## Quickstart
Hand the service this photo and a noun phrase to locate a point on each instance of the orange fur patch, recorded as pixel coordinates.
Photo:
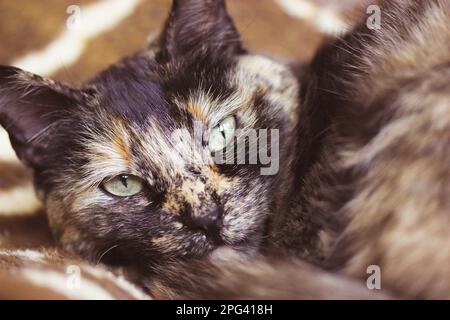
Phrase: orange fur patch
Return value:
(197, 111)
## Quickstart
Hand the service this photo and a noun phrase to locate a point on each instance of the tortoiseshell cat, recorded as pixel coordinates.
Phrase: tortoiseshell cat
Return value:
(364, 159)
(372, 171)
(119, 163)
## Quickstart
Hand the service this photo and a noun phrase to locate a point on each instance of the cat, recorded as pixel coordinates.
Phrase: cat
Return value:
(124, 165)
(372, 174)
(363, 160)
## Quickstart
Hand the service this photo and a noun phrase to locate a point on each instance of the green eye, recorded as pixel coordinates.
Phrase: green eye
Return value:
(222, 134)
(124, 185)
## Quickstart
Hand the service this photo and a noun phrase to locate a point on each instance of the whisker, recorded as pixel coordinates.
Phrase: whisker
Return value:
(105, 252)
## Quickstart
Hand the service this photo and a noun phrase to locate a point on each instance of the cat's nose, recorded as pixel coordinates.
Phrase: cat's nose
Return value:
(207, 221)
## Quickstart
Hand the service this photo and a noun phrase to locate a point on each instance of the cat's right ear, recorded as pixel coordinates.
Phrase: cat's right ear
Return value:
(31, 108)
(199, 27)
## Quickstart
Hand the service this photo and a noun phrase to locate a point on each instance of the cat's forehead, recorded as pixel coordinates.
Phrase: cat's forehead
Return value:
(138, 89)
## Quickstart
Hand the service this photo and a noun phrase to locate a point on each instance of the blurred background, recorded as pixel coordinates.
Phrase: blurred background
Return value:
(111, 29)
(72, 40)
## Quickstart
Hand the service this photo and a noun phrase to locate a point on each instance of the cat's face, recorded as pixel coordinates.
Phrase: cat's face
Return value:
(126, 165)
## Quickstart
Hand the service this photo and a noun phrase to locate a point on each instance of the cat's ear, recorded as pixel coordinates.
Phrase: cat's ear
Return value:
(199, 27)
(30, 109)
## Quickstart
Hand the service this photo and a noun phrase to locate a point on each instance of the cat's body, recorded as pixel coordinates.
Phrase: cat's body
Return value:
(373, 176)
(381, 182)
(371, 159)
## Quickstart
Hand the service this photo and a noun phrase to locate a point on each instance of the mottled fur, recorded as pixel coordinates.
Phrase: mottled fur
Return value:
(372, 175)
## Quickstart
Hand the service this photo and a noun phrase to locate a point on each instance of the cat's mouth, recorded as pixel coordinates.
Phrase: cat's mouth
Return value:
(244, 245)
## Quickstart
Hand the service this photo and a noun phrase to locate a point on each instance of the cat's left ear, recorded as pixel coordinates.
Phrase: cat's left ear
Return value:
(199, 27)
(31, 108)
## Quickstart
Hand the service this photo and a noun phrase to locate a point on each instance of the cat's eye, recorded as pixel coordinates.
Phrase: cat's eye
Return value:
(124, 185)
(222, 134)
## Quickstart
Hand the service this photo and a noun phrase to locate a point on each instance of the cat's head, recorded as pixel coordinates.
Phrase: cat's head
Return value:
(125, 164)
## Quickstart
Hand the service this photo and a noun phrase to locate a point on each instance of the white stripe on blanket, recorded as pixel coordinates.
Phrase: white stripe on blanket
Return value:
(96, 18)
(324, 19)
